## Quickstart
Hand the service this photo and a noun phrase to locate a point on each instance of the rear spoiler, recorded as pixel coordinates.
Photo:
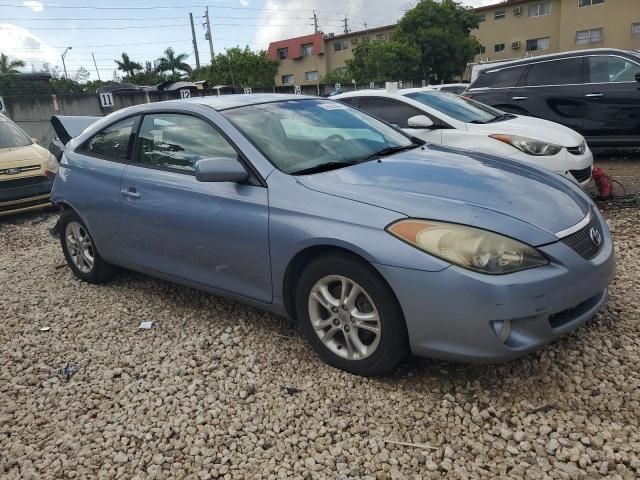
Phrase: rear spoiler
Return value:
(67, 127)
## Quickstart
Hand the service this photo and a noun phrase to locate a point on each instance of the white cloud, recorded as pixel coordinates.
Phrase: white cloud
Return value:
(244, 3)
(33, 5)
(19, 43)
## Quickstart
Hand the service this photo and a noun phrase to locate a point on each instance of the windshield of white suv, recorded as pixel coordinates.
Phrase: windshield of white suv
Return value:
(11, 136)
(309, 136)
(457, 107)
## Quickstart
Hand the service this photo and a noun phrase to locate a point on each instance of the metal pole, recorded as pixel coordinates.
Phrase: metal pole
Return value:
(64, 66)
(195, 43)
(209, 37)
(96, 65)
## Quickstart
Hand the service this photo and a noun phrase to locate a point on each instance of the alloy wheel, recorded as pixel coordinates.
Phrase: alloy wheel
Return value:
(80, 247)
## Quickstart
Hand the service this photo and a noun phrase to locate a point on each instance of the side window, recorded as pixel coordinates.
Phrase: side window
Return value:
(506, 77)
(175, 141)
(391, 111)
(113, 141)
(348, 101)
(604, 69)
(558, 72)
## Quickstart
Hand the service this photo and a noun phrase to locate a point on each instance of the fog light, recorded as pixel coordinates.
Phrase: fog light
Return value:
(502, 328)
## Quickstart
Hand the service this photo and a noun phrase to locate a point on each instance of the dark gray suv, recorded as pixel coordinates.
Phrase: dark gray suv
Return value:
(595, 92)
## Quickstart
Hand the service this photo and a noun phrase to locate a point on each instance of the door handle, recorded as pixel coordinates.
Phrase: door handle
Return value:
(130, 193)
(594, 95)
(517, 99)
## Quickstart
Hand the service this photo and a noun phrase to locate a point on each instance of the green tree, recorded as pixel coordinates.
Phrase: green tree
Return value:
(441, 32)
(380, 61)
(239, 67)
(9, 66)
(173, 63)
(127, 65)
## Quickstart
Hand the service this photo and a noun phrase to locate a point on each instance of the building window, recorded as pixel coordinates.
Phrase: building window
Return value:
(538, 44)
(381, 37)
(498, 47)
(481, 49)
(341, 45)
(635, 28)
(589, 36)
(283, 53)
(287, 79)
(499, 15)
(306, 50)
(481, 17)
(539, 9)
(586, 3)
(311, 76)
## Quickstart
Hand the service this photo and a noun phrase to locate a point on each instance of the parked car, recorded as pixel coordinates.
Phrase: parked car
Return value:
(595, 92)
(26, 171)
(451, 120)
(457, 88)
(376, 243)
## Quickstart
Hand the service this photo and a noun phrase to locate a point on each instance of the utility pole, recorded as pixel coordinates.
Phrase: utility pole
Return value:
(64, 66)
(208, 34)
(195, 43)
(95, 65)
(315, 22)
(346, 24)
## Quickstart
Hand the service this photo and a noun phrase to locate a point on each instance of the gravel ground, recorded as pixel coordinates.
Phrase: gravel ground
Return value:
(220, 390)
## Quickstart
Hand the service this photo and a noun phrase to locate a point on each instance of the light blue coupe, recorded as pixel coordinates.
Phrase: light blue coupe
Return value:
(379, 245)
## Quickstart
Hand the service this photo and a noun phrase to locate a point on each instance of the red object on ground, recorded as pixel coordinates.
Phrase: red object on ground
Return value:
(603, 182)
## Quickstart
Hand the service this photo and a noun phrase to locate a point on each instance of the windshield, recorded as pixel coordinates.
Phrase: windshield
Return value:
(11, 136)
(456, 107)
(299, 135)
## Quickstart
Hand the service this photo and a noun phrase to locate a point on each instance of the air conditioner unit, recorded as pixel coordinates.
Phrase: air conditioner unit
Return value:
(515, 45)
(517, 11)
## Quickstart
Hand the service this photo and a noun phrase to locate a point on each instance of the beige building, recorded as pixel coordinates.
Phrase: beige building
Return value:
(305, 60)
(518, 28)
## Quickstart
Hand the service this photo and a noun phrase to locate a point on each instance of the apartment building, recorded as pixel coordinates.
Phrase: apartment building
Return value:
(516, 28)
(305, 60)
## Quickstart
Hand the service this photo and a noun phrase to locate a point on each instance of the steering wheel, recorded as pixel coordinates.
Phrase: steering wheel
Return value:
(336, 137)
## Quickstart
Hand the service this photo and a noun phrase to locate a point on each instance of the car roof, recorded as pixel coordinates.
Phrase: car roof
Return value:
(224, 102)
(381, 92)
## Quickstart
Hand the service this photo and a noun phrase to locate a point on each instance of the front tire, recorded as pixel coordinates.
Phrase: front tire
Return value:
(350, 315)
(80, 252)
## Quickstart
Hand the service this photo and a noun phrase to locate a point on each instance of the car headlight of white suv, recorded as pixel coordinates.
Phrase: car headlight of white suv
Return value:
(528, 145)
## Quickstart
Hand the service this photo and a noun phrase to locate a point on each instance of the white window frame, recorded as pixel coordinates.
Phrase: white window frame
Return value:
(344, 45)
(548, 39)
(286, 53)
(589, 3)
(500, 15)
(303, 50)
(317, 76)
(635, 29)
(589, 39)
(288, 75)
(538, 5)
(496, 50)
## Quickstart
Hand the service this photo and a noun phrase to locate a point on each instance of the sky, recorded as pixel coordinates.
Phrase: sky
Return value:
(40, 31)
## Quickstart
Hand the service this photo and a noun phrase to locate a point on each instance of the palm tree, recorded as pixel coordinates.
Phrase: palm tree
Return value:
(7, 66)
(172, 62)
(128, 66)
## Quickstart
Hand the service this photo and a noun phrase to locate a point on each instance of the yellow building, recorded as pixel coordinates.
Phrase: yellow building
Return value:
(518, 28)
(305, 60)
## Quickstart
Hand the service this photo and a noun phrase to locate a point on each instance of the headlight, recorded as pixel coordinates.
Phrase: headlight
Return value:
(528, 145)
(51, 169)
(468, 247)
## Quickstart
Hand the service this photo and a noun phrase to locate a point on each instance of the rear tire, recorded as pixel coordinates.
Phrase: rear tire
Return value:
(350, 315)
(80, 252)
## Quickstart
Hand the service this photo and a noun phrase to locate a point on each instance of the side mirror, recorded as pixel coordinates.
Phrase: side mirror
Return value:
(638, 77)
(34, 140)
(420, 121)
(221, 169)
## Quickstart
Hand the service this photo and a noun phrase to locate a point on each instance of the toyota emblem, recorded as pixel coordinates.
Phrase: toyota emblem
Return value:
(595, 236)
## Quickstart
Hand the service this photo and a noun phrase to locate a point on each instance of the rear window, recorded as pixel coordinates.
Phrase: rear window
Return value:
(557, 72)
(11, 136)
(505, 77)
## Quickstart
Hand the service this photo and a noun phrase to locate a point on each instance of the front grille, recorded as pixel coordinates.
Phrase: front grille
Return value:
(579, 150)
(560, 319)
(582, 241)
(22, 182)
(581, 175)
(18, 206)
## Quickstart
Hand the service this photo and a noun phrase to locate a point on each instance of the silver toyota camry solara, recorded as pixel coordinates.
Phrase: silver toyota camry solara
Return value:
(377, 244)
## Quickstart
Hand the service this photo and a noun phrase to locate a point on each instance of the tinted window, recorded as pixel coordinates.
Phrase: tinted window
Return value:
(11, 136)
(454, 106)
(177, 142)
(506, 77)
(559, 72)
(604, 69)
(113, 141)
(391, 111)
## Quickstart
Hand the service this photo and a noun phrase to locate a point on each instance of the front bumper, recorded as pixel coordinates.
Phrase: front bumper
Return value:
(450, 314)
(575, 167)
(24, 194)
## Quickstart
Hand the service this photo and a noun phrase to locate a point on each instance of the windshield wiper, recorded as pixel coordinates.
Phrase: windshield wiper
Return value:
(500, 118)
(385, 152)
(323, 167)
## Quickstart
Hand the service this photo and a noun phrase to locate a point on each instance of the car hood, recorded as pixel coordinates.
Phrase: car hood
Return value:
(30, 153)
(531, 127)
(439, 183)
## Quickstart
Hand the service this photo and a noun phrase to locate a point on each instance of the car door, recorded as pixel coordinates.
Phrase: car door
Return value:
(553, 90)
(210, 234)
(494, 86)
(612, 97)
(398, 113)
